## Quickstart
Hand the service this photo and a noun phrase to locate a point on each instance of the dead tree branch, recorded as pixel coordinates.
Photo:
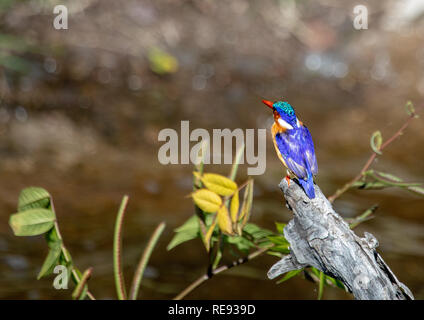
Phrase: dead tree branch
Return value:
(319, 237)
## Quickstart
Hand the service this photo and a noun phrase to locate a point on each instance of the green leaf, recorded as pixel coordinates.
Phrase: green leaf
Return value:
(275, 254)
(51, 260)
(280, 248)
(399, 184)
(256, 232)
(280, 227)
(207, 200)
(52, 237)
(219, 184)
(376, 140)
(417, 190)
(389, 176)
(382, 180)
(241, 243)
(289, 275)
(337, 283)
(315, 271)
(278, 240)
(32, 222)
(252, 229)
(369, 185)
(33, 197)
(188, 231)
(410, 110)
(69, 265)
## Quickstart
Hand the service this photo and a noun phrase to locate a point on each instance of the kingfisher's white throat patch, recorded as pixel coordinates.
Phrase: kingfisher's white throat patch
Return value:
(284, 124)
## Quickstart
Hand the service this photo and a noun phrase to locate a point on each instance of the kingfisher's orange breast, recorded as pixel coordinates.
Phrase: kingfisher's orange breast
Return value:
(274, 130)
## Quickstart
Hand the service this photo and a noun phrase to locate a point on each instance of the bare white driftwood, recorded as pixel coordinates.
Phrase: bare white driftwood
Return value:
(319, 237)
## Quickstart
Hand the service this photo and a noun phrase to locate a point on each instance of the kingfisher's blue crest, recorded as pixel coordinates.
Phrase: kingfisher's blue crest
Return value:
(293, 144)
(285, 111)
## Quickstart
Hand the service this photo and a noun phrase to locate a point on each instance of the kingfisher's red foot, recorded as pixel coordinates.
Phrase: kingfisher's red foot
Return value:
(288, 180)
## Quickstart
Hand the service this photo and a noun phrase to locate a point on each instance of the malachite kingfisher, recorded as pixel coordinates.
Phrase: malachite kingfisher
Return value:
(294, 146)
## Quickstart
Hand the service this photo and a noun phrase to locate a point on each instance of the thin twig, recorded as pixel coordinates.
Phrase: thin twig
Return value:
(117, 251)
(138, 275)
(205, 277)
(363, 217)
(65, 253)
(370, 160)
(80, 287)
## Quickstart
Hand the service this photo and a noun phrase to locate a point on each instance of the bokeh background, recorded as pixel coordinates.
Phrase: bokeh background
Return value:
(80, 112)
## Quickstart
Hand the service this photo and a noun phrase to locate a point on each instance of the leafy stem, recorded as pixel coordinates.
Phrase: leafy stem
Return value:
(138, 276)
(76, 295)
(117, 251)
(371, 159)
(74, 272)
(220, 269)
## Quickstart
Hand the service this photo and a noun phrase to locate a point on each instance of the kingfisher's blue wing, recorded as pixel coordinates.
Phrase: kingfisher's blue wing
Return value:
(291, 152)
(297, 150)
(309, 151)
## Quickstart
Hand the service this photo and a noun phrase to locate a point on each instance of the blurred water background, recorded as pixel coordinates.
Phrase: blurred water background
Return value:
(81, 109)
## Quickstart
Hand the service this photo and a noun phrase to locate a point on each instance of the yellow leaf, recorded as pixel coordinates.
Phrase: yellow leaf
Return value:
(219, 184)
(162, 62)
(224, 221)
(206, 200)
(247, 203)
(209, 235)
(234, 207)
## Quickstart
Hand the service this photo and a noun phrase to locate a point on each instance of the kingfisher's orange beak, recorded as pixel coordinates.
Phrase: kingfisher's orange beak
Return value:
(268, 103)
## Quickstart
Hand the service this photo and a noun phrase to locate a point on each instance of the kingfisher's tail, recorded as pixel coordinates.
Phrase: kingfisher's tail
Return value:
(308, 186)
